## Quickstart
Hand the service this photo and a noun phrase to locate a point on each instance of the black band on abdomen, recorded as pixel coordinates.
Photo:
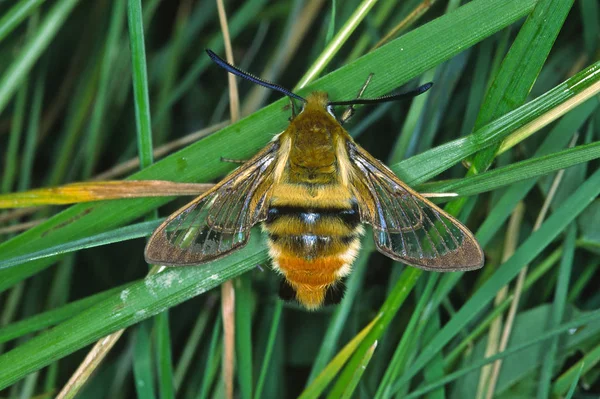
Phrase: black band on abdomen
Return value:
(349, 216)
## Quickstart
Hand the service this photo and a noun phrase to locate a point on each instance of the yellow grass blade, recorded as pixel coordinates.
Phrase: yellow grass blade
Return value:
(96, 191)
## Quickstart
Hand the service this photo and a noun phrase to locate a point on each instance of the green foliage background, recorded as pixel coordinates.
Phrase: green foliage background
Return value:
(85, 86)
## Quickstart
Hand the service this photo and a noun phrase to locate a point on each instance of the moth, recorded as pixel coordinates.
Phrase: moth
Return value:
(313, 188)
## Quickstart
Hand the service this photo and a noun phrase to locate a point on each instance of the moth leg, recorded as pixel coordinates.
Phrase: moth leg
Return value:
(293, 107)
(238, 161)
(349, 112)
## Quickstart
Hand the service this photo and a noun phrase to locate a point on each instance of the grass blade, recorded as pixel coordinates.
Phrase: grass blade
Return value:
(32, 50)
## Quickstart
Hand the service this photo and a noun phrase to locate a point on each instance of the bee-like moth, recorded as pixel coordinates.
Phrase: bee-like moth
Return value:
(313, 188)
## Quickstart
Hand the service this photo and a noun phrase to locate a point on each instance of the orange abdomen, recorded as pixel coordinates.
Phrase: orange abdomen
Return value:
(313, 247)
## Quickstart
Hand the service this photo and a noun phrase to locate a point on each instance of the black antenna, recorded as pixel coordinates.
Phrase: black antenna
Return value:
(236, 71)
(392, 97)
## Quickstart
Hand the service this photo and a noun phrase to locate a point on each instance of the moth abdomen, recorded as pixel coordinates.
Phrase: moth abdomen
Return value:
(313, 247)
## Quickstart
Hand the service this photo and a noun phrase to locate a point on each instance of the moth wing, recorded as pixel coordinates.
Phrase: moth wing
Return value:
(219, 221)
(406, 226)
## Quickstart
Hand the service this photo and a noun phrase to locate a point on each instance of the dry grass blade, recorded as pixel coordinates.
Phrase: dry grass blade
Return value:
(96, 191)
(228, 312)
(20, 227)
(234, 97)
(406, 22)
(16, 214)
(89, 364)
(288, 49)
(227, 289)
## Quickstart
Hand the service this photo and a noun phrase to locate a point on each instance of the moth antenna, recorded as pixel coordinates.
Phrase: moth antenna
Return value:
(248, 76)
(384, 99)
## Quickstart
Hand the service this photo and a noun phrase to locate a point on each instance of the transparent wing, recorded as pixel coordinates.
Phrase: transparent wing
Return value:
(406, 226)
(219, 221)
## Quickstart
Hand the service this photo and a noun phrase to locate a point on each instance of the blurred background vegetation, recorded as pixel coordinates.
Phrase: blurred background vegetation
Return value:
(68, 113)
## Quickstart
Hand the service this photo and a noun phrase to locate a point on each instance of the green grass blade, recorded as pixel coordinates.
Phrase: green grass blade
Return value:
(269, 350)
(435, 369)
(571, 376)
(583, 280)
(164, 359)
(574, 383)
(412, 124)
(17, 14)
(142, 363)
(175, 55)
(478, 87)
(29, 148)
(191, 345)
(10, 163)
(590, 11)
(19, 69)
(133, 231)
(141, 100)
(17, 123)
(346, 390)
(239, 20)
(52, 317)
(558, 310)
(212, 359)
(331, 27)
(244, 309)
(516, 76)
(140, 82)
(93, 144)
(447, 75)
(77, 113)
(316, 388)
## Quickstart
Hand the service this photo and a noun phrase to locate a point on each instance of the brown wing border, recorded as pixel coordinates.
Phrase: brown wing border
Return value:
(158, 250)
(370, 210)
